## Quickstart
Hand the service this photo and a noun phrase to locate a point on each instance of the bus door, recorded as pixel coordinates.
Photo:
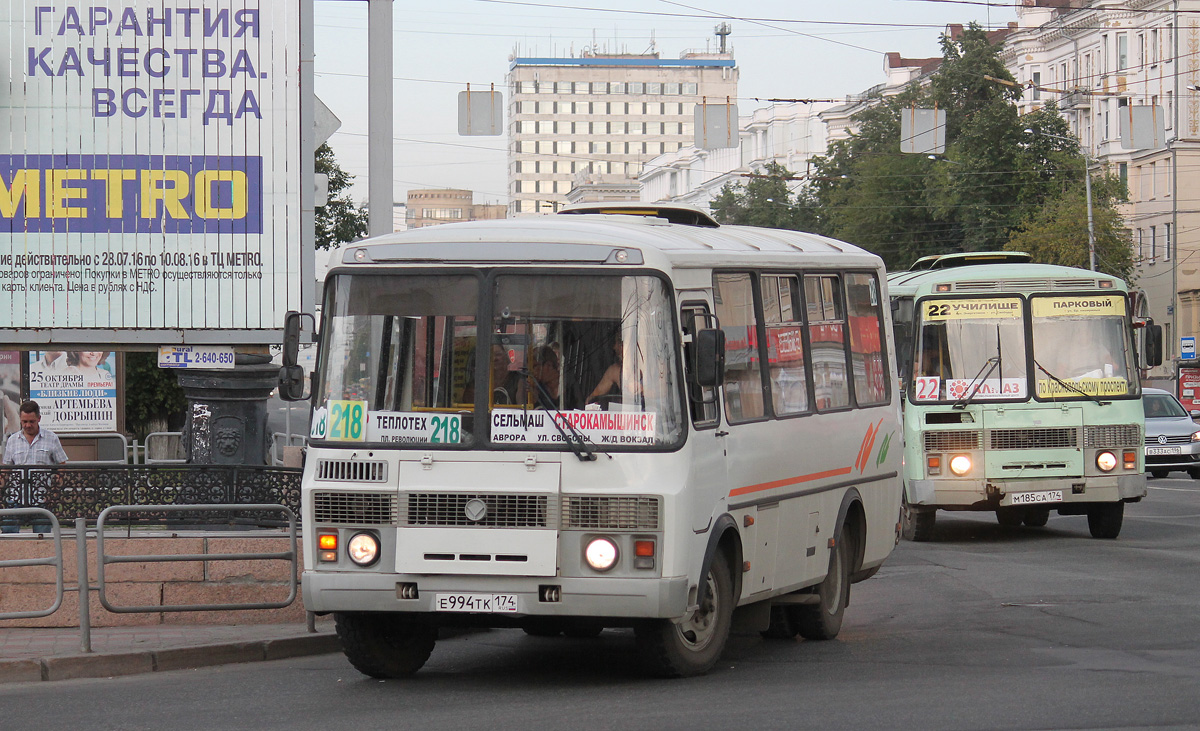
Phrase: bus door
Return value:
(708, 481)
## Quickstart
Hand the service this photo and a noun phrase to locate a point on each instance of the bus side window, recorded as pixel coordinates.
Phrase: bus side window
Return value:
(733, 295)
(867, 358)
(703, 414)
(784, 321)
(827, 340)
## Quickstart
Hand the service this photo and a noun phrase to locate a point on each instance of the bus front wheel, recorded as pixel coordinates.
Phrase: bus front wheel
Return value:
(693, 646)
(1104, 520)
(823, 620)
(916, 524)
(384, 645)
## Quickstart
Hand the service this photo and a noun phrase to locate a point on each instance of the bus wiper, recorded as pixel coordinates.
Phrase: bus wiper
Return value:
(1069, 385)
(575, 440)
(973, 387)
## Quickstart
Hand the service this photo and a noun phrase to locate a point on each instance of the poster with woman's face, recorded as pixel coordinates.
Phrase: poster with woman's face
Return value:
(76, 390)
(10, 390)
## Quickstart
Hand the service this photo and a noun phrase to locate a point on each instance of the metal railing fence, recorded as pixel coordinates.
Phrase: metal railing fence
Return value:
(85, 491)
(83, 583)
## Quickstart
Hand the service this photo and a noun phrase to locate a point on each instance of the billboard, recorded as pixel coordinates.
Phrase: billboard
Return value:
(76, 391)
(150, 170)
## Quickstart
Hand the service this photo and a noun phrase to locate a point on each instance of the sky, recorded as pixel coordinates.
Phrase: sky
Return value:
(784, 49)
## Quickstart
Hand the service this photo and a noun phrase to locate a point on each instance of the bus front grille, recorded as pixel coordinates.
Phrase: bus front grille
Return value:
(1046, 438)
(952, 441)
(351, 470)
(477, 510)
(354, 508)
(602, 512)
(1112, 435)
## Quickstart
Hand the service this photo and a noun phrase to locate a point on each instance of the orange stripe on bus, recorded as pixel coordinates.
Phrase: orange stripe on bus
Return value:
(789, 481)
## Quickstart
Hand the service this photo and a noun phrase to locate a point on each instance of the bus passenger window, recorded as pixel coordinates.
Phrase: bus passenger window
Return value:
(733, 297)
(783, 321)
(827, 339)
(866, 341)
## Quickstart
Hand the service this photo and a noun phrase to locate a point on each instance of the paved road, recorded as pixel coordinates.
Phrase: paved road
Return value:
(982, 628)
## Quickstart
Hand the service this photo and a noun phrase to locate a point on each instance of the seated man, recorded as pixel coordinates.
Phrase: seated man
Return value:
(610, 382)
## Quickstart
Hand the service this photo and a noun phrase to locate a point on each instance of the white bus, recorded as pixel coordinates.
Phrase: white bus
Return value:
(610, 417)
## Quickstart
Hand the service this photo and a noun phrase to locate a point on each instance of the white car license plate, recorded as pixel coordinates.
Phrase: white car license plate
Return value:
(1030, 498)
(1162, 450)
(482, 603)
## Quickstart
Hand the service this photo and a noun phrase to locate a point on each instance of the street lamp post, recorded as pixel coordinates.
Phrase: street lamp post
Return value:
(1087, 184)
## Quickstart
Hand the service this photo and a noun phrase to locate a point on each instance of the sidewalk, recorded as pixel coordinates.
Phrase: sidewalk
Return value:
(28, 654)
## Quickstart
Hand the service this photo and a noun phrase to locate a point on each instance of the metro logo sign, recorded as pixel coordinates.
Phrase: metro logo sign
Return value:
(130, 194)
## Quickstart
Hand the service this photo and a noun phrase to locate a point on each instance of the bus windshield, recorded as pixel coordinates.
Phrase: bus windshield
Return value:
(599, 356)
(1081, 348)
(970, 349)
(567, 358)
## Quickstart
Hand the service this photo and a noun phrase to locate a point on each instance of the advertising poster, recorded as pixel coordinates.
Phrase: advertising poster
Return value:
(10, 391)
(75, 390)
(149, 164)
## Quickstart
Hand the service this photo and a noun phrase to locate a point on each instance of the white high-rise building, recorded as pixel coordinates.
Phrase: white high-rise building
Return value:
(602, 116)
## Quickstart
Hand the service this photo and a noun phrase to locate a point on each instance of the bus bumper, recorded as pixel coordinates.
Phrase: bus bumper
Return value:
(345, 591)
(990, 494)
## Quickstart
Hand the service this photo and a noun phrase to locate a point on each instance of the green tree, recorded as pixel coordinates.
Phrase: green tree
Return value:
(339, 220)
(1056, 232)
(993, 176)
(153, 399)
(767, 201)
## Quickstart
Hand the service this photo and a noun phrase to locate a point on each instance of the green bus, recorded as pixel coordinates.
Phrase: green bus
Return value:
(1021, 391)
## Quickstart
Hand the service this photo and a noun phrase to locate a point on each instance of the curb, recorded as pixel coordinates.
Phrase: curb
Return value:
(109, 665)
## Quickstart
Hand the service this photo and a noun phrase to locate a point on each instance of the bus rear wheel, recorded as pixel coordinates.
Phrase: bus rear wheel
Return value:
(1010, 517)
(693, 646)
(916, 524)
(823, 620)
(384, 644)
(1037, 517)
(1104, 520)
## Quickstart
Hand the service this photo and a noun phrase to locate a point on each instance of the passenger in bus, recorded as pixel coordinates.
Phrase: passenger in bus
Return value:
(545, 376)
(610, 382)
(506, 384)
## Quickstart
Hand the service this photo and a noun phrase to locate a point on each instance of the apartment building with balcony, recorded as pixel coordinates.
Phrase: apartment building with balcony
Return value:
(1098, 62)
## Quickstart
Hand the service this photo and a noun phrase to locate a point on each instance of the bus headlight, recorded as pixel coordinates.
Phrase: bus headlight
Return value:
(601, 554)
(363, 549)
(1106, 461)
(960, 464)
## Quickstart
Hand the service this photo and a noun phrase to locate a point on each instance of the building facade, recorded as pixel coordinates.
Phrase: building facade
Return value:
(788, 134)
(604, 116)
(1097, 63)
(447, 205)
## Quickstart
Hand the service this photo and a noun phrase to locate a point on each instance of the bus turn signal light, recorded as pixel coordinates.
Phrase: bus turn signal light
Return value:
(935, 464)
(1130, 459)
(643, 554)
(327, 541)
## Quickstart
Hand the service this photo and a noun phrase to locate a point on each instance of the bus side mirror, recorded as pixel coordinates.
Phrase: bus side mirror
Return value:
(709, 364)
(291, 375)
(1153, 346)
(291, 383)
